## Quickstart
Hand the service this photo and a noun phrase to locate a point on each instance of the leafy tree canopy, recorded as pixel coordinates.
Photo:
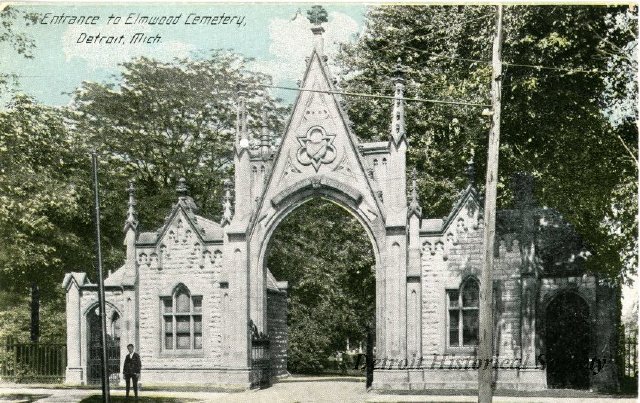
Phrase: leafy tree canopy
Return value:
(43, 221)
(161, 121)
(553, 123)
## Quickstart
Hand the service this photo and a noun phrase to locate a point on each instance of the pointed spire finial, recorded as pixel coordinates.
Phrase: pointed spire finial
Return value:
(132, 214)
(227, 214)
(242, 136)
(181, 188)
(398, 135)
(399, 71)
(183, 196)
(470, 170)
(317, 15)
(265, 137)
(414, 202)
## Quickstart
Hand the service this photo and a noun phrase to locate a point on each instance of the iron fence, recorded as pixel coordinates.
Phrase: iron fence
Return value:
(260, 358)
(630, 356)
(32, 362)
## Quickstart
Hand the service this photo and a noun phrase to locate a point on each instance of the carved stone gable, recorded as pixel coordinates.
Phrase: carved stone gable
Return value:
(318, 150)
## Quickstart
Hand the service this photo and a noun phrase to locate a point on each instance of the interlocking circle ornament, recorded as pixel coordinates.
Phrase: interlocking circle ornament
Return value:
(316, 148)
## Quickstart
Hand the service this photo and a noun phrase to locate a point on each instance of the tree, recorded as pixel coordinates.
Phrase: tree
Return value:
(42, 223)
(326, 256)
(161, 121)
(553, 122)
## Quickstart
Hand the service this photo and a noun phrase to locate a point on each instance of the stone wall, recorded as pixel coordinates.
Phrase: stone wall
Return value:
(464, 259)
(449, 256)
(277, 330)
(179, 258)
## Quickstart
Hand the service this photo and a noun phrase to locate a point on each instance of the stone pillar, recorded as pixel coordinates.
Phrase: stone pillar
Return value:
(528, 350)
(395, 261)
(414, 322)
(380, 319)
(414, 284)
(75, 370)
(604, 376)
(236, 352)
(395, 315)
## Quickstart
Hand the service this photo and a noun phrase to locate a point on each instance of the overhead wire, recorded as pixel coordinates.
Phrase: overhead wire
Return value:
(533, 66)
(365, 95)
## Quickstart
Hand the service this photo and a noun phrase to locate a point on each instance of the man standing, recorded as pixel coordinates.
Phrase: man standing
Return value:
(131, 369)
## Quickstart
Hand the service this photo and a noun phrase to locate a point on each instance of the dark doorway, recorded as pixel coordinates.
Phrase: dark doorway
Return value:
(94, 363)
(568, 342)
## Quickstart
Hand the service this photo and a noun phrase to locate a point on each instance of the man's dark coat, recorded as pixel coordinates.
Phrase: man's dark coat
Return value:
(132, 365)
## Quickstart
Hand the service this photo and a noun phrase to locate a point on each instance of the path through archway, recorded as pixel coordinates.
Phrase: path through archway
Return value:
(327, 258)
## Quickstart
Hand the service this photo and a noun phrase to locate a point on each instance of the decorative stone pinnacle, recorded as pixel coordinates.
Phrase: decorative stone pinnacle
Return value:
(399, 72)
(181, 188)
(242, 138)
(317, 15)
(131, 190)
(470, 170)
(132, 220)
(414, 202)
(397, 135)
(227, 214)
(265, 138)
(265, 116)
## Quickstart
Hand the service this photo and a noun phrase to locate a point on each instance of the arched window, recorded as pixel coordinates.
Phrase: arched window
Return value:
(463, 307)
(182, 317)
(115, 326)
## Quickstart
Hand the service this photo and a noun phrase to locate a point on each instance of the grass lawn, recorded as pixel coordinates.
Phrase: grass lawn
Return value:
(141, 399)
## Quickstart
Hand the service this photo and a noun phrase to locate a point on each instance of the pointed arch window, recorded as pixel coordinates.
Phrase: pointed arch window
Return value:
(463, 314)
(115, 326)
(182, 320)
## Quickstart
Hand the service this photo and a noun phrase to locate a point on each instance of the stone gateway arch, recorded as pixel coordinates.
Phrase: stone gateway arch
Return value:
(196, 297)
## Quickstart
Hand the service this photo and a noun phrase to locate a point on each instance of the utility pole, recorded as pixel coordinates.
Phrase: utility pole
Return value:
(103, 315)
(485, 350)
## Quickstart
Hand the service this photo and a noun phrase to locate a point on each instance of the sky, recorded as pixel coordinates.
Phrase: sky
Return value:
(277, 36)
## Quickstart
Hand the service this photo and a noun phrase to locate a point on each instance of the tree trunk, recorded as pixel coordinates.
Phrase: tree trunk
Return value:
(35, 312)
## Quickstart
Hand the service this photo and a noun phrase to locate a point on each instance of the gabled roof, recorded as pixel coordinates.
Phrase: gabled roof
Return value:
(558, 245)
(120, 278)
(440, 225)
(79, 278)
(207, 230)
(317, 59)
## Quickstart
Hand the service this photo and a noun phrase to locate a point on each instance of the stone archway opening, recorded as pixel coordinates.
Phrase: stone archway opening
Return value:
(327, 258)
(94, 346)
(568, 342)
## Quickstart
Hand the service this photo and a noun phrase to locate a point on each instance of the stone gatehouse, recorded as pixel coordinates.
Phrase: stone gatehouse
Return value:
(195, 294)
